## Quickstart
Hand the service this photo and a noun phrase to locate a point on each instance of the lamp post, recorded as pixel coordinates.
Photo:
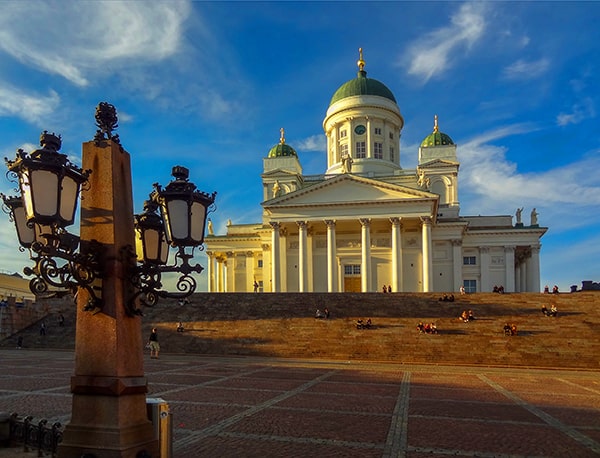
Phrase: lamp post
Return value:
(101, 268)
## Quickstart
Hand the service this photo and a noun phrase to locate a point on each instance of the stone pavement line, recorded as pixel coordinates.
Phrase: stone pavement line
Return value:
(397, 439)
(217, 428)
(549, 419)
(577, 385)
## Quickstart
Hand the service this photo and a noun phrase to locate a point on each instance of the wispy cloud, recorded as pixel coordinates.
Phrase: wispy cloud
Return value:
(490, 181)
(100, 33)
(28, 106)
(316, 143)
(522, 69)
(431, 55)
(579, 112)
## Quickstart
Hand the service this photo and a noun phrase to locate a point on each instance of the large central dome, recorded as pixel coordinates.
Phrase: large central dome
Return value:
(361, 85)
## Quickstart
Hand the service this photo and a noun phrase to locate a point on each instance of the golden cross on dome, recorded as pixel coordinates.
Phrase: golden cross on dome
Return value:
(435, 124)
(282, 137)
(361, 62)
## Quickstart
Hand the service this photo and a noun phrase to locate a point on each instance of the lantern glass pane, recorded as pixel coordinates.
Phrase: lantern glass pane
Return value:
(197, 219)
(26, 196)
(44, 188)
(151, 245)
(68, 199)
(178, 219)
(25, 233)
(139, 246)
(164, 251)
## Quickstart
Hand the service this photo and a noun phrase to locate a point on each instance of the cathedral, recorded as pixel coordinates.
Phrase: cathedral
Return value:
(366, 223)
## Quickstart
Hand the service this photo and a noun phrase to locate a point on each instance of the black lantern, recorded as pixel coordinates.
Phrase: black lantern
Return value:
(14, 207)
(183, 209)
(150, 236)
(49, 183)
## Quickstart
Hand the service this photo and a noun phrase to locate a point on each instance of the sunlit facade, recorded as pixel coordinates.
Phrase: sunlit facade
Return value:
(366, 222)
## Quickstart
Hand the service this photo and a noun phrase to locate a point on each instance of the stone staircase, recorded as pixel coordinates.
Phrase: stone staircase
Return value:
(283, 326)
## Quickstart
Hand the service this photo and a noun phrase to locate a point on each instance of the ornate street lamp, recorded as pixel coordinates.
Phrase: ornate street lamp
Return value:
(181, 224)
(50, 186)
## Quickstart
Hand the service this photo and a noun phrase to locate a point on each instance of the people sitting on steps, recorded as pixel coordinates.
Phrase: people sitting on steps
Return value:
(360, 324)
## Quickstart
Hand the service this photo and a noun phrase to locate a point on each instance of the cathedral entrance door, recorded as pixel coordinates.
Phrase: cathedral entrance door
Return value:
(352, 284)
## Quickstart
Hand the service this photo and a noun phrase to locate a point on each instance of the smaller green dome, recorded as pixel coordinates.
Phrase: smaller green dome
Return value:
(282, 149)
(436, 138)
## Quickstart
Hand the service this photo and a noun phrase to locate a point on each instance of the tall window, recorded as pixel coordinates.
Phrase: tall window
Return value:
(352, 269)
(343, 133)
(392, 153)
(361, 149)
(469, 261)
(378, 131)
(344, 149)
(470, 286)
(378, 150)
(391, 135)
(260, 263)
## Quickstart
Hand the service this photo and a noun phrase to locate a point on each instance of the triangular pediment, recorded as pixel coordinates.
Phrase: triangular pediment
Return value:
(349, 189)
(439, 163)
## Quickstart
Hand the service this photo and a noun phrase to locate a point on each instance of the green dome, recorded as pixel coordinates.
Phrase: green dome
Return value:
(437, 138)
(361, 85)
(282, 149)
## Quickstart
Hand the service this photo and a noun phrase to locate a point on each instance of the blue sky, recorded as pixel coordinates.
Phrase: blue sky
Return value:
(208, 85)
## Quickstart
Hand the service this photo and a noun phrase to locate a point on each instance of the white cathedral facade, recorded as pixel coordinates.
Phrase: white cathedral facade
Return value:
(367, 222)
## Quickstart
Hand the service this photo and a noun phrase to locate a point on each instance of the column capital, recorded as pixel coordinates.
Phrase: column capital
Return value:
(266, 247)
(365, 222)
(210, 254)
(484, 249)
(457, 242)
(275, 225)
(509, 248)
(426, 220)
(330, 222)
(396, 221)
(302, 224)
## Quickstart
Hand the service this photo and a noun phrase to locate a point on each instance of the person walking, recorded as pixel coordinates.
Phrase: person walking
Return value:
(153, 344)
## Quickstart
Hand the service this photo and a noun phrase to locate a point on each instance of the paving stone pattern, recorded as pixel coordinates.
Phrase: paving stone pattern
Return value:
(266, 407)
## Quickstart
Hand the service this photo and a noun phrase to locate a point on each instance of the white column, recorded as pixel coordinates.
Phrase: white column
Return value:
(524, 286)
(219, 279)
(396, 255)
(210, 272)
(457, 263)
(365, 268)
(331, 257)
(427, 255)
(533, 270)
(509, 269)
(302, 265)
(275, 259)
(518, 278)
(484, 269)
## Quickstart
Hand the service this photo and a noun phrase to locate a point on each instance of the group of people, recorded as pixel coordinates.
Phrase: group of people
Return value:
(360, 324)
(325, 313)
(427, 328)
(467, 316)
(447, 298)
(510, 329)
(498, 289)
(552, 312)
(554, 289)
(387, 289)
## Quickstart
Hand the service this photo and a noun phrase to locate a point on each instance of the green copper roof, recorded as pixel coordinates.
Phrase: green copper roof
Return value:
(436, 138)
(281, 149)
(361, 85)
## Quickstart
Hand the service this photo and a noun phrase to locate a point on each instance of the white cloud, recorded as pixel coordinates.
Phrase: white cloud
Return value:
(316, 143)
(30, 107)
(522, 69)
(73, 41)
(579, 112)
(431, 55)
(490, 182)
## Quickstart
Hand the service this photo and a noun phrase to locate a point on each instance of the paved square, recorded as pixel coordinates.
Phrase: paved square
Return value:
(259, 407)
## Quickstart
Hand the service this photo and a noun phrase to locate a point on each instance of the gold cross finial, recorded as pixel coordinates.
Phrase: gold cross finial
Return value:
(282, 136)
(361, 62)
(435, 124)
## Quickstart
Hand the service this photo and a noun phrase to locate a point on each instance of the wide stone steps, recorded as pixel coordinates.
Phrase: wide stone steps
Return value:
(283, 325)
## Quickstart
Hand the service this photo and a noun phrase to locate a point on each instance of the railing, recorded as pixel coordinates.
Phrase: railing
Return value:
(35, 436)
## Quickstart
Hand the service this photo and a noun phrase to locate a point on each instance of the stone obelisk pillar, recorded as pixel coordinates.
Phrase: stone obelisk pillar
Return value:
(109, 388)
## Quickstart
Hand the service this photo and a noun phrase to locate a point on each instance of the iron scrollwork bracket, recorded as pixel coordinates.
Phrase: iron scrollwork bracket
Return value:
(146, 278)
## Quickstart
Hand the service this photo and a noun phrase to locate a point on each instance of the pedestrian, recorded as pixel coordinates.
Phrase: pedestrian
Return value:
(43, 328)
(61, 320)
(153, 344)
